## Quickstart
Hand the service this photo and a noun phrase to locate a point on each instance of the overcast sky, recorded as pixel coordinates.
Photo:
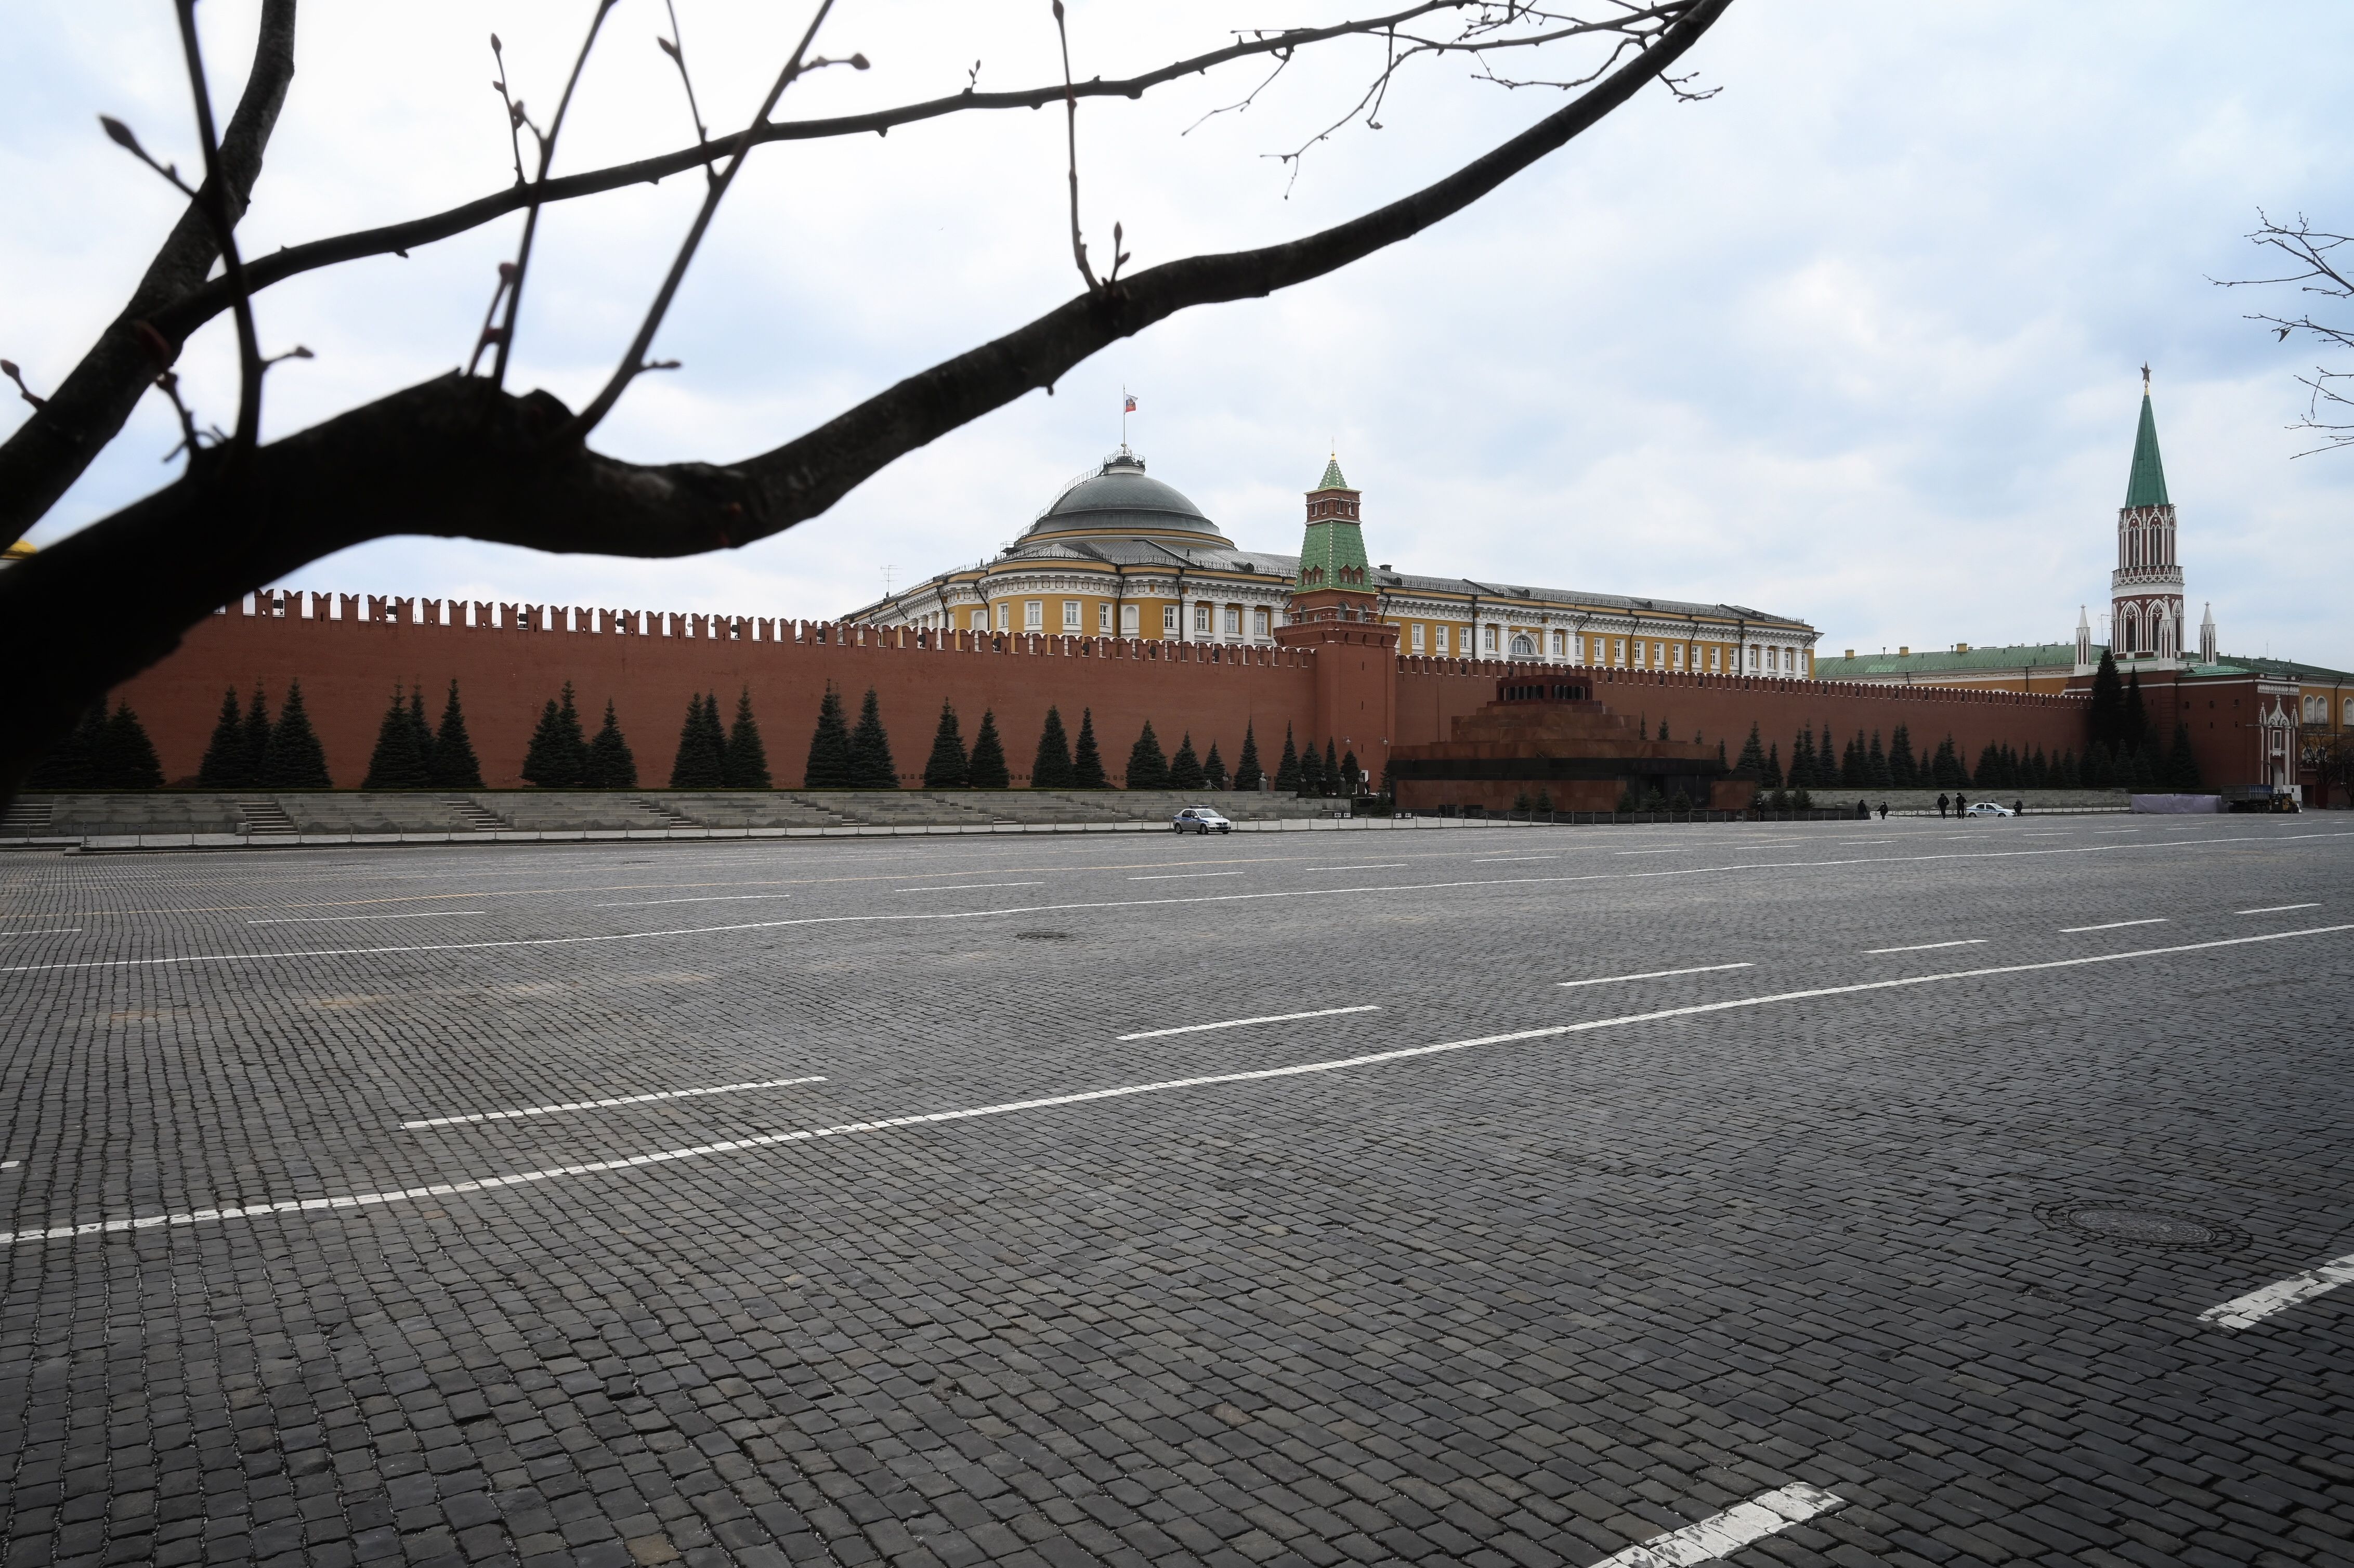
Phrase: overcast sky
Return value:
(1857, 340)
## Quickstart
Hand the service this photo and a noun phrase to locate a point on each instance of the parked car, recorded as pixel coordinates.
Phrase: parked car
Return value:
(1201, 819)
(1989, 808)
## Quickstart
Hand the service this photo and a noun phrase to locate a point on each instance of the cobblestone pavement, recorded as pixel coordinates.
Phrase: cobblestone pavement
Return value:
(1628, 1253)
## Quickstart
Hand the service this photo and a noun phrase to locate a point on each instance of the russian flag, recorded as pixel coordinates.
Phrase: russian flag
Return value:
(1128, 404)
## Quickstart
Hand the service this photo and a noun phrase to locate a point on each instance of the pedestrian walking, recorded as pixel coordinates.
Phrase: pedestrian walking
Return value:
(1959, 802)
(1941, 805)
(1883, 810)
(2018, 807)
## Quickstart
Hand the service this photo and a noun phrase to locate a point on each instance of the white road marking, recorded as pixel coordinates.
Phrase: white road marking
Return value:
(347, 919)
(1675, 849)
(1238, 1022)
(1924, 947)
(1390, 865)
(2242, 1311)
(2112, 924)
(1181, 875)
(960, 886)
(10, 1164)
(1723, 1534)
(2276, 909)
(1098, 904)
(770, 1140)
(1654, 974)
(603, 1105)
(48, 931)
(706, 898)
(1501, 859)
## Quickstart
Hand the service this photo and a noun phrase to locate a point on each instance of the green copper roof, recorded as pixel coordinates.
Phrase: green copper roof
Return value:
(1333, 479)
(1333, 544)
(2146, 486)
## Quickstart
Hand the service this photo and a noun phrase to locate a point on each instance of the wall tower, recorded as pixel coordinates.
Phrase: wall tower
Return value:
(1336, 610)
(2145, 589)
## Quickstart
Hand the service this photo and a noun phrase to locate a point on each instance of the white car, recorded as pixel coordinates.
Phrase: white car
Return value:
(1989, 808)
(1201, 819)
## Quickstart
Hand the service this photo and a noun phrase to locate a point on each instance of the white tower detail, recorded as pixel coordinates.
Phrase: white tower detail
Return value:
(2083, 641)
(2207, 637)
(2146, 618)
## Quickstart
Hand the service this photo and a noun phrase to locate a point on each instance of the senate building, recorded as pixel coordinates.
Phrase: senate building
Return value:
(1122, 553)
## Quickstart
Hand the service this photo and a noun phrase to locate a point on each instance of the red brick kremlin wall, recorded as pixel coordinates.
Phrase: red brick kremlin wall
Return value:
(348, 652)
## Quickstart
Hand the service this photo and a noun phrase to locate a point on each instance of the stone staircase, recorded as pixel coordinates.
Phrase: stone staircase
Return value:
(258, 818)
(26, 819)
(474, 814)
(664, 816)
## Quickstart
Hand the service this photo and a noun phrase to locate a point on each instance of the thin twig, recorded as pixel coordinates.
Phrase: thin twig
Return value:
(8, 368)
(249, 347)
(513, 109)
(633, 363)
(1071, 133)
(120, 136)
(675, 47)
(531, 216)
(169, 385)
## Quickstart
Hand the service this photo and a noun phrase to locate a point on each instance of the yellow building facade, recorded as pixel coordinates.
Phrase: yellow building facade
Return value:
(1121, 554)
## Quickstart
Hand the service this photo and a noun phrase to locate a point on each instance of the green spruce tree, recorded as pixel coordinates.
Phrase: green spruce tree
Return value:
(75, 762)
(424, 731)
(700, 761)
(295, 759)
(1247, 772)
(224, 767)
(2134, 726)
(1772, 777)
(1147, 769)
(989, 769)
(1213, 769)
(1902, 771)
(1350, 782)
(2182, 766)
(1086, 757)
(395, 763)
(1287, 773)
(1752, 764)
(257, 739)
(1051, 767)
(870, 749)
(2105, 715)
(1876, 771)
(1333, 781)
(611, 764)
(745, 763)
(455, 767)
(948, 767)
(1185, 767)
(829, 749)
(540, 764)
(128, 759)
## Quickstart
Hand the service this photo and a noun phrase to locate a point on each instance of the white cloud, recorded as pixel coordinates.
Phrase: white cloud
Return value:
(1853, 341)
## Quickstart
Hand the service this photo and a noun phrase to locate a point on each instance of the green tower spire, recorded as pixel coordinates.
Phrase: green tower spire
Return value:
(1334, 553)
(2145, 486)
(1333, 479)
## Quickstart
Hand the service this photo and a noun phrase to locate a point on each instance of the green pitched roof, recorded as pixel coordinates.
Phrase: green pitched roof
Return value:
(1333, 543)
(1333, 479)
(2147, 485)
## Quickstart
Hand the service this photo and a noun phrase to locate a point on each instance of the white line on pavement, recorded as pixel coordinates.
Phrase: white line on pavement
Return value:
(1105, 904)
(1654, 974)
(346, 920)
(1673, 848)
(10, 1164)
(1924, 947)
(2242, 1311)
(1723, 1534)
(604, 1105)
(46, 931)
(1501, 859)
(706, 898)
(1181, 875)
(770, 1140)
(1389, 865)
(2112, 924)
(2276, 909)
(1238, 1022)
(960, 886)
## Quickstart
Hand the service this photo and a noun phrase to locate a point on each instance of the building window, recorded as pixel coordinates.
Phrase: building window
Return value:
(1676, 656)
(1440, 633)
(1258, 623)
(1127, 620)
(1416, 634)
(1168, 621)
(1034, 614)
(1523, 645)
(976, 621)
(1489, 641)
(1561, 644)
(1715, 659)
(1070, 615)
(1233, 620)
(1617, 651)
(1004, 618)
(1103, 618)
(1638, 653)
(1201, 618)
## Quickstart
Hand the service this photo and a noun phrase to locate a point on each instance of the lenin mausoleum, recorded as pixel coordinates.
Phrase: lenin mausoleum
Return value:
(1124, 602)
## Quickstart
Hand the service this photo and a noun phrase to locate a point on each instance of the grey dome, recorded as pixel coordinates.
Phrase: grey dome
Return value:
(1120, 499)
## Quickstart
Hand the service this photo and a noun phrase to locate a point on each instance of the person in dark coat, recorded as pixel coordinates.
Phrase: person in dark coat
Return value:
(1941, 805)
(1883, 810)
(1960, 804)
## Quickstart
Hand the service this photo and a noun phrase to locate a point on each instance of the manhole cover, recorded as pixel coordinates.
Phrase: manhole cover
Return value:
(1041, 935)
(2142, 1227)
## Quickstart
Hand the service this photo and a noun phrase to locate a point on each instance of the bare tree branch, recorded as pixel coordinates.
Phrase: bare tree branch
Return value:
(2315, 269)
(633, 363)
(215, 203)
(675, 47)
(478, 462)
(513, 285)
(43, 457)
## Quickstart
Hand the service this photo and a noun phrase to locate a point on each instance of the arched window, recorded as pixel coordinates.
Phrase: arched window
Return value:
(1523, 645)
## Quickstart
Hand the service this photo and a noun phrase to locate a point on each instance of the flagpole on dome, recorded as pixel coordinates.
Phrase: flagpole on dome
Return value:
(1127, 407)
